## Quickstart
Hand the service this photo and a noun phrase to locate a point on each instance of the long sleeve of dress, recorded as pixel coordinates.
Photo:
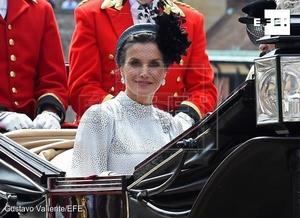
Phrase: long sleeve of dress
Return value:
(93, 138)
(179, 123)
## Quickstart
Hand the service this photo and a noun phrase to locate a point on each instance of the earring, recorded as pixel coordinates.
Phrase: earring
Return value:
(122, 80)
(163, 82)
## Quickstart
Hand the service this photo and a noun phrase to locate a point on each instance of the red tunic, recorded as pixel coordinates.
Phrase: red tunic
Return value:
(31, 59)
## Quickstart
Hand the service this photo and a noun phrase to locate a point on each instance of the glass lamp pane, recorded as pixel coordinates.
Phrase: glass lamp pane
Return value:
(266, 91)
(290, 85)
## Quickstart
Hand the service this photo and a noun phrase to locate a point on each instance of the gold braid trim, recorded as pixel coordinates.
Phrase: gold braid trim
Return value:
(170, 6)
(53, 95)
(117, 4)
(192, 105)
(184, 4)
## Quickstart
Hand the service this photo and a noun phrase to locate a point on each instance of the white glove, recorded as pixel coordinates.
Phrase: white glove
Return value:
(13, 121)
(46, 120)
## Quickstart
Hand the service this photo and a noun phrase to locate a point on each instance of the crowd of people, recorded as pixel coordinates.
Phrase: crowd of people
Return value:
(139, 76)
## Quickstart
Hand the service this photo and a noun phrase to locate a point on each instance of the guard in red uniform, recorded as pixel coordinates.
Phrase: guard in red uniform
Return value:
(33, 85)
(93, 76)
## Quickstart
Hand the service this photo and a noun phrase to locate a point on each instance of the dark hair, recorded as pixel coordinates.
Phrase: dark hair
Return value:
(141, 35)
(139, 38)
(170, 38)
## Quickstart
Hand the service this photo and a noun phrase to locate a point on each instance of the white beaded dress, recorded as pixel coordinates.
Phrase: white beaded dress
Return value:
(120, 133)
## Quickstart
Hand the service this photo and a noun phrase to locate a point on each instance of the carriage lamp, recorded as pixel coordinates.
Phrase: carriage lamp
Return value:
(277, 79)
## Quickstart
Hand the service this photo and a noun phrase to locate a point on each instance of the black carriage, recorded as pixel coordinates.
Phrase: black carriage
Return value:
(225, 166)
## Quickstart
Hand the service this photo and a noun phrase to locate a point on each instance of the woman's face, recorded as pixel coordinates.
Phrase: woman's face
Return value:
(143, 71)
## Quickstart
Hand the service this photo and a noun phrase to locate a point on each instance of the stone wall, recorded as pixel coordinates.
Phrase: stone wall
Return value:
(65, 22)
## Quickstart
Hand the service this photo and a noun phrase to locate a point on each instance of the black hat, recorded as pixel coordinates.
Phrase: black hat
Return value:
(256, 9)
(136, 29)
(253, 10)
(172, 40)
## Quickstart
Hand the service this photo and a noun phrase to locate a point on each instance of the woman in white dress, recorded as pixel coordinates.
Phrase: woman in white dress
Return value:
(118, 134)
